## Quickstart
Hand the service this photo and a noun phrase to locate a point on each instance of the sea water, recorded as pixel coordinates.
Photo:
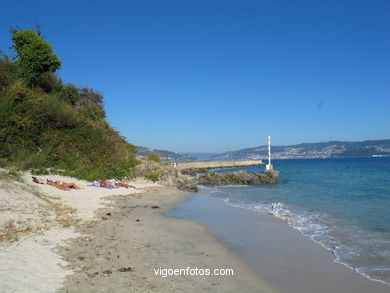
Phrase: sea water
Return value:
(342, 204)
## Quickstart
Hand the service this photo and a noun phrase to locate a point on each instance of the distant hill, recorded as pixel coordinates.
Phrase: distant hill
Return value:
(330, 149)
(201, 156)
(165, 155)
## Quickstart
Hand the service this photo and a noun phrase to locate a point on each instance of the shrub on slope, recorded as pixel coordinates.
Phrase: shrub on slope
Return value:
(51, 125)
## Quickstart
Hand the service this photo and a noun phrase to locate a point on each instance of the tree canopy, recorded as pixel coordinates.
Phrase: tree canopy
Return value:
(35, 56)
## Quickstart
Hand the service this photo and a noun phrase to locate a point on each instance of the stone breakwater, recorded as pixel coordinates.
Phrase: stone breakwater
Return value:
(239, 177)
(190, 182)
(193, 168)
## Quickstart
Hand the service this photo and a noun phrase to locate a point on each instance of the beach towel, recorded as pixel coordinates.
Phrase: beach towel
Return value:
(104, 186)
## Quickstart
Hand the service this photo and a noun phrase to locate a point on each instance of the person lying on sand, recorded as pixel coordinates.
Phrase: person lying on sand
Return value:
(69, 185)
(105, 183)
(108, 183)
(56, 185)
(124, 185)
(63, 185)
(36, 180)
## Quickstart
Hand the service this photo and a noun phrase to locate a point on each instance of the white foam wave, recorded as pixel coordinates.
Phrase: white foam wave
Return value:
(321, 229)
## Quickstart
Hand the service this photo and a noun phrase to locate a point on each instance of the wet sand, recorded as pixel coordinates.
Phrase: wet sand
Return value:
(287, 260)
(130, 238)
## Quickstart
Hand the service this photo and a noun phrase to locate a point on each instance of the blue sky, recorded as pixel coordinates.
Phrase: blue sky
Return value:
(211, 76)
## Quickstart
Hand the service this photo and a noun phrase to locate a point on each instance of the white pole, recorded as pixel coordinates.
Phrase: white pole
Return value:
(269, 150)
(269, 166)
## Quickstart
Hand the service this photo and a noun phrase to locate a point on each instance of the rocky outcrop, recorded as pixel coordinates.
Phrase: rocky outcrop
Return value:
(189, 181)
(239, 177)
(186, 183)
(194, 171)
(145, 167)
(194, 168)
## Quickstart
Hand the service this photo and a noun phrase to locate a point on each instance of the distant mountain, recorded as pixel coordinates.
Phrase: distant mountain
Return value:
(330, 149)
(201, 156)
(165, 155)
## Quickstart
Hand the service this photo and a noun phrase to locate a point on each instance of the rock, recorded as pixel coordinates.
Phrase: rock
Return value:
(93, 274)
(239, 177)
(146, 167)
(194, 171)
(125, 269)
(272, 173)
(186, 183)
(190, 183)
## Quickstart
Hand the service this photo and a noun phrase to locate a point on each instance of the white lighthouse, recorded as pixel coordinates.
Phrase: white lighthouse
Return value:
(269, 165)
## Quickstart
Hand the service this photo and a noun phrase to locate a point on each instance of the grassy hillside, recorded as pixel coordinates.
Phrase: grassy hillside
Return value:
(45, 123)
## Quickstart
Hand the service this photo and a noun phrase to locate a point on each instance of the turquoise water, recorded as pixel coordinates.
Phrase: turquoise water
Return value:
(343, 204)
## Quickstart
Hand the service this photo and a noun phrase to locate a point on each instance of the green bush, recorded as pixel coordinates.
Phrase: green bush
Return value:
(154, 175)
(40, 171)
(45, 125)
(49, 82)
(8, 72)
(154, 157)
(70, 94)
(60, 113)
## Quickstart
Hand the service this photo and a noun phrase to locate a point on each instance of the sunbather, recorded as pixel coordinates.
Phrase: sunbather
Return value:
(37, 180)
(124, 185)
(105, 183)
(70, 185)
(56, 185)
(63, 185)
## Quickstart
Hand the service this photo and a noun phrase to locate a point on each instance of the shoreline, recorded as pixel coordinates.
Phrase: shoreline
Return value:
(286, 259)
(134, 237)
(118, 239)
(96, 239)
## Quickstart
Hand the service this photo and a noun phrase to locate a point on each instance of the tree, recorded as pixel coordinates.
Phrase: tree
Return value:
(35, 56)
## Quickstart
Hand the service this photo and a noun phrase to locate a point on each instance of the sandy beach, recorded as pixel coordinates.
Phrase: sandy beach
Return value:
(104, 240)
(133, 238)
(35, 220)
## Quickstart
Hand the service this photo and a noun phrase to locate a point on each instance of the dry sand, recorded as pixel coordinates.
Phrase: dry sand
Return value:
(135, 236)
(32, 265)
(34, 220)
